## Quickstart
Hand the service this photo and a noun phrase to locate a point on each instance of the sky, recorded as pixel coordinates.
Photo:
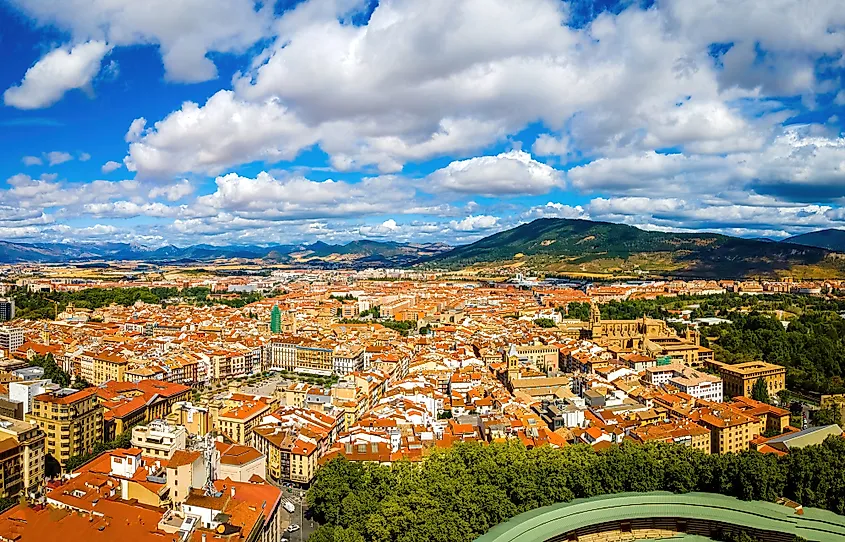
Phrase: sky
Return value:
(244, 122)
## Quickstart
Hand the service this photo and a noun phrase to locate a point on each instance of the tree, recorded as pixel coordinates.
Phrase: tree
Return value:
(545, 322)
(457, 494)
(760, 391)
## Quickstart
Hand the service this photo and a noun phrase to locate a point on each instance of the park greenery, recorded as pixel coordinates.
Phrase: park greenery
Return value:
(38, 305)
(459, 493)
(545, 322)
(52, 370)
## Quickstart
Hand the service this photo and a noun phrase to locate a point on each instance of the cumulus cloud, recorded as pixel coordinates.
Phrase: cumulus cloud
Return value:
(474, 223)
(513, 172)
(57, 72)
(55, 158)
(110, 166)
(84, 157)
(185, 31)
(208, 139)
(31, 161)
(174, 192)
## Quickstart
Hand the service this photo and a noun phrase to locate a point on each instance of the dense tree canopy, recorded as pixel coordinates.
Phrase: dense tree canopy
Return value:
(36, 306)
(459, 493)
(545, 322)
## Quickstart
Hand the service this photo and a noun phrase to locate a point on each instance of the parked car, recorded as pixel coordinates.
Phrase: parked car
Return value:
(293, 528)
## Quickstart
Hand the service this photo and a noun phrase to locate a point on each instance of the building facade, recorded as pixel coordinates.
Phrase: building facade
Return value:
(72, 420)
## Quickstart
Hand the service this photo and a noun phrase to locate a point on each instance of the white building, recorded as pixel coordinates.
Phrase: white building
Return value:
(159, 439)
(11, 338)
(24, 392)
(688, 380)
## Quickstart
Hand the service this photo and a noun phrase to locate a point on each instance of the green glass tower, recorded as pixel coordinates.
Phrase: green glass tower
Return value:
(276, 319)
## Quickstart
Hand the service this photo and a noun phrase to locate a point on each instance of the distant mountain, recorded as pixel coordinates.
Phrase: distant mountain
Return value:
(831, 239)
(366, 252)
(582, 246)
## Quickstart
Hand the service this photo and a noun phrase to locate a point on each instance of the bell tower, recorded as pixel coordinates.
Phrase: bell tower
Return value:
(595, 320)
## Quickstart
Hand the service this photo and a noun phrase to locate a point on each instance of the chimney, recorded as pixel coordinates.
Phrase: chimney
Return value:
(203, 537)
(233, 491)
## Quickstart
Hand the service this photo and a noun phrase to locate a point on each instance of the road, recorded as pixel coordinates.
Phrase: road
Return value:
(294, 496)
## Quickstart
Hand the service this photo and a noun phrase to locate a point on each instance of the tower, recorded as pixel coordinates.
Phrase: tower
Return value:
(595, 320)
(45, 335)
(513, 364)
(276, 319)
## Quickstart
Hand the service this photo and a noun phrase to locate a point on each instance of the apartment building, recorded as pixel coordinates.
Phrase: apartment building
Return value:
(106, 367)
(11, 338)
(686, 379)
(21, 458)
(541, 356)
(739, 379)
(730, 430)
(159, 439)
(7, 309)
(72, 420)
(683, 432)
(237, 422)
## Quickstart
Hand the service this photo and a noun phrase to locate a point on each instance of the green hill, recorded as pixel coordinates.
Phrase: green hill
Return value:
(831, 239)
(572, 246)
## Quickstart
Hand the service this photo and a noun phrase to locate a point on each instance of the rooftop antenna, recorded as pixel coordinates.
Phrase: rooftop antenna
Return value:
(209, 452)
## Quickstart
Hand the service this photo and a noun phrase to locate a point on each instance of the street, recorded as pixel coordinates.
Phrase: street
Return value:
(295, 496)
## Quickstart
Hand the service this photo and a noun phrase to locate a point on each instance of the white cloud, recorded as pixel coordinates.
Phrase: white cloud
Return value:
(31, 161)
(55, 158)
(84, 157)
(474, 223)
(208, 139)
(174, 192)
(186, 31)
(376, 95)
(549, 145)
(57, 72)
(840, 98)
(296, 197)
(556, 210)
(110, 166)
(513, 172)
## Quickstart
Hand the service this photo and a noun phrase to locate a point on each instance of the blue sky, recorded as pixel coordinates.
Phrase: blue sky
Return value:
(234, 121)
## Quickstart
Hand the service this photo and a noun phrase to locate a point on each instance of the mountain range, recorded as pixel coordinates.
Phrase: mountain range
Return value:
(367, 253)
(546, 245)
(831, 239)
(566, 246)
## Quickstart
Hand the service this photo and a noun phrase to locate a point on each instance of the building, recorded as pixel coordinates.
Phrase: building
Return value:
(11, 338)
(739, 379)
(238, 422)
(21, 459)
(730, 430)
(275, 319)
(159, 439)
(240, 463)
(107, 367)
(686, 379)
(783, 444)
(683, 432)
(25, 392)
(541, 356)
(7, 309)
(72, 420)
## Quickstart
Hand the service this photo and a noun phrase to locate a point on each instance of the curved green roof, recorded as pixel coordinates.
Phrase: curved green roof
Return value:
(547, 522)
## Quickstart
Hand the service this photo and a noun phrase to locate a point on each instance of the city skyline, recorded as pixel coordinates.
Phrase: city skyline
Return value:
(339, 120)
